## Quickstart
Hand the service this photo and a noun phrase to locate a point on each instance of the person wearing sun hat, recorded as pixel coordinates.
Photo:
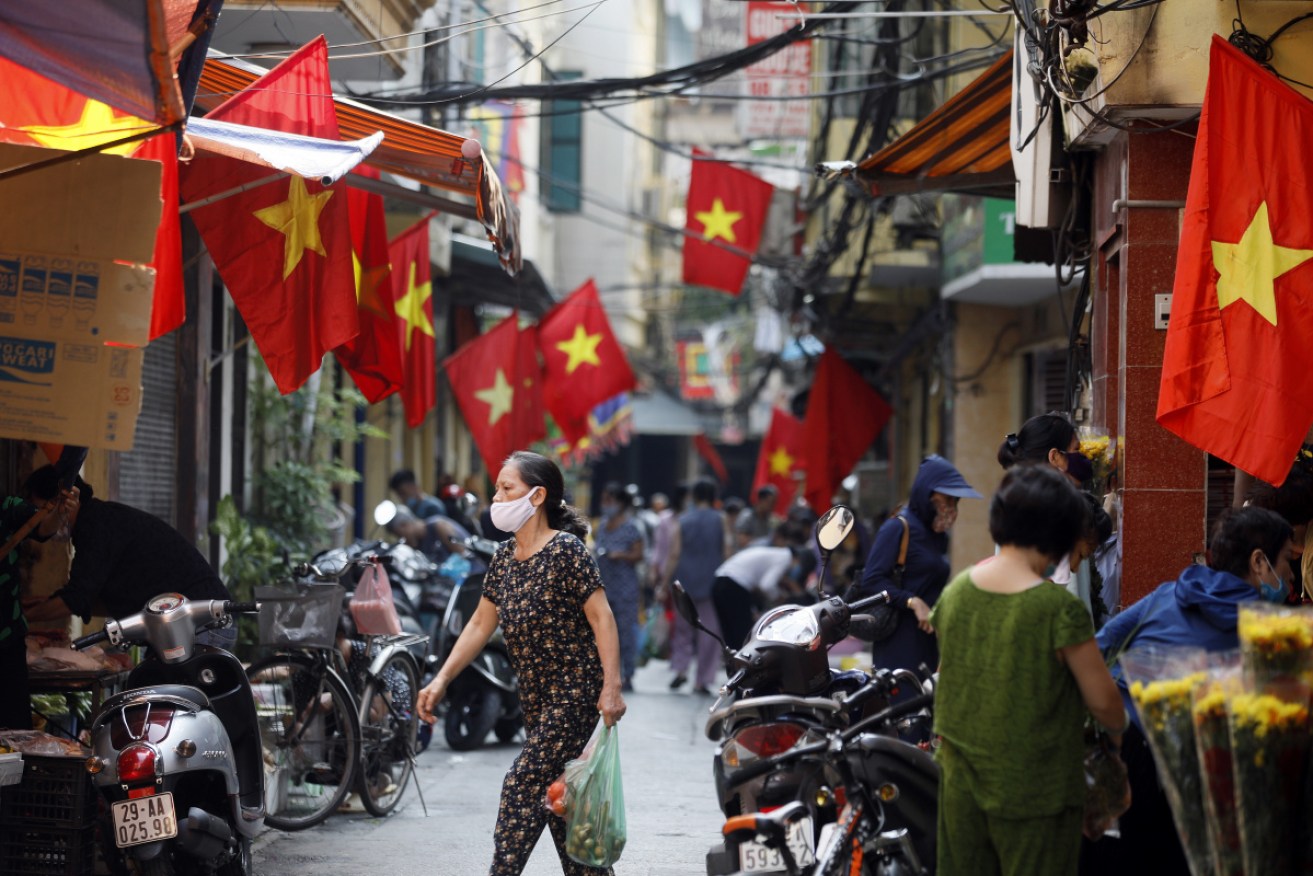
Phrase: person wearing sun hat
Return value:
(930, 511)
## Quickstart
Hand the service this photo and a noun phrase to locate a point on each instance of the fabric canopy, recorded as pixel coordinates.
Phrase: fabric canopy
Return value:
(961, 147)
(326, 161)
(116, 51)
(409, 149)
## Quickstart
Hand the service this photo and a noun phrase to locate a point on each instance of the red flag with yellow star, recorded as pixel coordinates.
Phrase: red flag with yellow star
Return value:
(373, 357)
(530, 419)
(283, 248)
(485, 377)
(412, 291)
(844, 415)
(583, 364)
(35, 111)
(726, 208)
(780, 460)
(1240, 341)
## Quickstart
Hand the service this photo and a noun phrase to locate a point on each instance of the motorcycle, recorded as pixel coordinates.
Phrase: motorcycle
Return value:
(782, 694)
(486, 695)
(177, 755)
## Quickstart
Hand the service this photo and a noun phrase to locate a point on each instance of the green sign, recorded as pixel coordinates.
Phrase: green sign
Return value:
(1000, 216)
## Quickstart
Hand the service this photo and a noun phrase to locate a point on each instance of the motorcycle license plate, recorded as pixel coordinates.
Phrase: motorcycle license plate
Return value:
(144, 820)
(755, 857)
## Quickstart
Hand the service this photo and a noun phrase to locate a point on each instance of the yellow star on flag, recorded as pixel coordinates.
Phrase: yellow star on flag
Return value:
(410, 306)
(718, 222)
(1248, 269)
(499, 397)
(297, 219)
(96, 125)
(369, 286)
(780, 462)
(581, 348)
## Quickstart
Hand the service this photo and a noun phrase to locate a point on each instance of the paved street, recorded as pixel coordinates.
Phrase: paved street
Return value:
(669, 800)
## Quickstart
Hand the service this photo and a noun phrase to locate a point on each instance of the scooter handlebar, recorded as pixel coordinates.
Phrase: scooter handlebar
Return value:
(855, 607)
(242, 607)
(88, 641)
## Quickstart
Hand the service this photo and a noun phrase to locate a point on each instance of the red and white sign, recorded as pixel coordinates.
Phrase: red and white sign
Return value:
(787, 73)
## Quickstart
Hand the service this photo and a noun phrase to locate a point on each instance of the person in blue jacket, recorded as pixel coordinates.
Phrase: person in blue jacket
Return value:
(930, 511)
(1249, 552)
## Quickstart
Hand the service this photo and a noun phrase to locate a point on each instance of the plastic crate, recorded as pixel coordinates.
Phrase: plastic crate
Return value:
(28, 849)
(306, 617)
(54, 792)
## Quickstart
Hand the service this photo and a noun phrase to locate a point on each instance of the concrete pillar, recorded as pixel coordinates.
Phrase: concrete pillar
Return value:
(1162, 484)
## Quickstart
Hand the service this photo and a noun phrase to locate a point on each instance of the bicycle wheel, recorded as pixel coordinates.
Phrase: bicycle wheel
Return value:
(389, 724)
(311, 738)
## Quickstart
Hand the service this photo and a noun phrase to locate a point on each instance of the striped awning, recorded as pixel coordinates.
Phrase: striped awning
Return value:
(409, 149)
(962, 147)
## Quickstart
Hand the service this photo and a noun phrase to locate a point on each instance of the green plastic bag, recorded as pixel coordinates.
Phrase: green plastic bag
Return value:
(595, 819)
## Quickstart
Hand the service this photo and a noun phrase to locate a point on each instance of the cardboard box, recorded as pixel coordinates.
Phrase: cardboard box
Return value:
(75, 298)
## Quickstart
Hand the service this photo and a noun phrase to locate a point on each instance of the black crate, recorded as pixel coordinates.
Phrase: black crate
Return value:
(28, 849)
(54, 792)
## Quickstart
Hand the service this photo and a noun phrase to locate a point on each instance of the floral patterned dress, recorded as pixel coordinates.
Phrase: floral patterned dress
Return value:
(540, 605)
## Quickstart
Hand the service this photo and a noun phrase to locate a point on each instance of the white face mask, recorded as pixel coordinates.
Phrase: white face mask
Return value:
(510, 516)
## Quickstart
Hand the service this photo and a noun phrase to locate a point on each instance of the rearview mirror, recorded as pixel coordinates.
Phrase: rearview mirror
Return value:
(385, 512)
(684, 604)
(833, 527)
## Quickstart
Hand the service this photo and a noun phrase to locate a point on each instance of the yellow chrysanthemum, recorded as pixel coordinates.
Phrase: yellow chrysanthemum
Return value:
(1276, 632)
(1262, 713)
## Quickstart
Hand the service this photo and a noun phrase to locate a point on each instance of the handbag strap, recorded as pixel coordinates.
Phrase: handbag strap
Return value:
(902, 551)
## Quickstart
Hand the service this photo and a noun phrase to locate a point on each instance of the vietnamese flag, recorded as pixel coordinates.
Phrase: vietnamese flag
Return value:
(530, 420)
(728, 206)
(485, 377)
(35, 111)
(1240, 342)
(844, 415)
(373, 357)
(283, 248)
(583, 364)
(412, 290)
(781, 458)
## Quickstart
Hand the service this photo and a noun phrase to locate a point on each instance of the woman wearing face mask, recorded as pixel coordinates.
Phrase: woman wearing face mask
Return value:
(1051, 439)
(619, 550)
(544, 590)
(930, 512)
(1248, 559)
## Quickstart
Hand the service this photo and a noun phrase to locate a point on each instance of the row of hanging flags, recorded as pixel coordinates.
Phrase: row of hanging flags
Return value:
(304, 256)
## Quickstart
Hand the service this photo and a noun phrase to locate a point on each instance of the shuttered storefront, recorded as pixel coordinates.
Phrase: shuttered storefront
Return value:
(148, 475)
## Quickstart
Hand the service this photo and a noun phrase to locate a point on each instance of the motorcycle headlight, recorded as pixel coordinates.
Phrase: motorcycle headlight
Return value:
(795, 628)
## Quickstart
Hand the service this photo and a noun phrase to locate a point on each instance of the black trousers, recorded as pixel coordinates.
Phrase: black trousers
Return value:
(734, 606)
(15, 707)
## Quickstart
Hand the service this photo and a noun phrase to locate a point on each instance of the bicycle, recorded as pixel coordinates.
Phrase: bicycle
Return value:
(326, 728)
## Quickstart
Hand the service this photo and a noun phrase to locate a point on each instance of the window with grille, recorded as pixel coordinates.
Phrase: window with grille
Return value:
(1046, 382)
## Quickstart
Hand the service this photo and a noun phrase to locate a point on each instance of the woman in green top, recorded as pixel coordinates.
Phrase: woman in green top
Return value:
(1018, 669)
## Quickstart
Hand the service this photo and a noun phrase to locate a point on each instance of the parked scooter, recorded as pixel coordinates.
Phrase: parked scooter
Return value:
(486, 694)
(783, 695)
(177, 755)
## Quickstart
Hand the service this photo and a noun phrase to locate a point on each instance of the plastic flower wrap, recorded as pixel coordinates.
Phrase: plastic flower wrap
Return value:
(1213, 742)
(1102, 454)
(1162, 685)
(1276, 648)
(1269, 745)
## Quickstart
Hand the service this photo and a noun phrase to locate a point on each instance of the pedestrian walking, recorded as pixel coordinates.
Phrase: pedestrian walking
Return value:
(696, 552)
(756, 522)
(1019, 667)
(922, 525)
(619, 551)
(544, 590)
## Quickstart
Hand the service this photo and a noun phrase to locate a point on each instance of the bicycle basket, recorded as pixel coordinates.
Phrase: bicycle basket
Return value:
(302, 616)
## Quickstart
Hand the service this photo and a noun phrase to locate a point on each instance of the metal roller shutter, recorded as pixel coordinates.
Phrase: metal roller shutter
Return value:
(148, 475)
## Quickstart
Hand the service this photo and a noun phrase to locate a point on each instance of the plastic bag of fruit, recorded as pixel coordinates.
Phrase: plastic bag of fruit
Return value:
(590, 797)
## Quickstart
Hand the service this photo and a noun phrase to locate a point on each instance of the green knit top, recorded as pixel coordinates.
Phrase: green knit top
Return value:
(1008, 709)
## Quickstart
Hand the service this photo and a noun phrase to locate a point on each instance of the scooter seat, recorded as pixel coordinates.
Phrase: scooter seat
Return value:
(186, 693)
